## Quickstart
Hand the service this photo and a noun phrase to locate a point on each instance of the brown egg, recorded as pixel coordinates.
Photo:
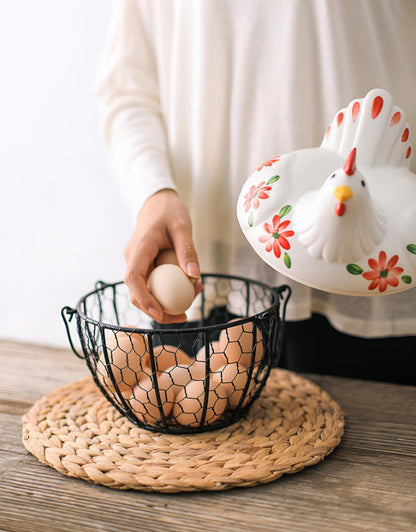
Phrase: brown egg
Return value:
(129, 360)
(236, 342)
(178, 376)
(144, 403)
(167, 356)
(216, 356)
(188, 407)
(230, 381)
(198, 370)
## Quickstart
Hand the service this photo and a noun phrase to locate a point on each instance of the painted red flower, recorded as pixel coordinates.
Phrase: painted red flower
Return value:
(383, 273)
(255, 194)
(269, 162)
(276, 236)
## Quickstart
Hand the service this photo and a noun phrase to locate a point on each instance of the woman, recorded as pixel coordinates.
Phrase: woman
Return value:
(195, 94)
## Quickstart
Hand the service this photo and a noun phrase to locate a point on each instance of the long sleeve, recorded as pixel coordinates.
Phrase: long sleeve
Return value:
(132, 122)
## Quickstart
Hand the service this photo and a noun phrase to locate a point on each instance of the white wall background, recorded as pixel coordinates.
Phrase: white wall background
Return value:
(62, 223)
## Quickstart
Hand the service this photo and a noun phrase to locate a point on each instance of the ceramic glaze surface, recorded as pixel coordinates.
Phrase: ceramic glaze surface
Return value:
(340, 217)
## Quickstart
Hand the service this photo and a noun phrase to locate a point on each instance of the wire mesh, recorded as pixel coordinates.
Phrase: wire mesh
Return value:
(200, 375)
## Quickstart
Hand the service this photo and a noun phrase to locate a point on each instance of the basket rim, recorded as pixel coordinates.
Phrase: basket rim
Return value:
(275, 291)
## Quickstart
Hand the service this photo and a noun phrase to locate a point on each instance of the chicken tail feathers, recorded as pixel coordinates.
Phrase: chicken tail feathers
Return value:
(374, 126)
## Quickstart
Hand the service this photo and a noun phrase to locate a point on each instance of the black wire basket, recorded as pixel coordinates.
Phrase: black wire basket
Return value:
(200, 375)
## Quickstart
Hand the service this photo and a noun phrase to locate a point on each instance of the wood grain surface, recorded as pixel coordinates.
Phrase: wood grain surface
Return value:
(368, 483)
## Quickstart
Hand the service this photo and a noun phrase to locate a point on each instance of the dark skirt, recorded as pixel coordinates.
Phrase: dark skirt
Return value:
(315, 346)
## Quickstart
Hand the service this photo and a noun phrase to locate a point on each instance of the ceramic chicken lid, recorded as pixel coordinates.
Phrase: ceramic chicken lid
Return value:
(340, 217)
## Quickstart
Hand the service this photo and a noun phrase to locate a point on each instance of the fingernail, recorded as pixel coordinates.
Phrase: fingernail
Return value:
(193, 270)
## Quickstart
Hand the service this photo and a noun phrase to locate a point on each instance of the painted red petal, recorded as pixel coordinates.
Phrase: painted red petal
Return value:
(355, 111)
(405, 135)
(371, 276)
(409, 151)
(252, 190)
(283, 242)
(269, 245)
(268, 228)
(287, 234)
(382, 257)
(376, 107)
(283, 225)
(247, 205)
(374, 284)
(392, 281)
(256, 203)
(276, 221)
(276, 248)
(260, 185)
(264, 238)
(392, 262)
(373, 264)
(262, 195)
(340, 118)
(396, 271)
(395, 119)
(383, 284)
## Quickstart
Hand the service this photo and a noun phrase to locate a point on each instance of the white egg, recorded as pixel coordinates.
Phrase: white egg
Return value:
(172, 288)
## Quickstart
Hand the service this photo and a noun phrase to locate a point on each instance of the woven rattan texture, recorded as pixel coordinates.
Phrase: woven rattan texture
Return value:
(294, 424)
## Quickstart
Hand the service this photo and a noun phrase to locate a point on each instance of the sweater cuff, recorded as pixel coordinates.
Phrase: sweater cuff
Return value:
(144, 179)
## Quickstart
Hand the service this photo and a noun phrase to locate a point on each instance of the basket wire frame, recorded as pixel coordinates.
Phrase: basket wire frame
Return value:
(201, 375)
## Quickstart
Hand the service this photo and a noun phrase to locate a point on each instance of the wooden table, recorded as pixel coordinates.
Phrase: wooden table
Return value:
(368, 483)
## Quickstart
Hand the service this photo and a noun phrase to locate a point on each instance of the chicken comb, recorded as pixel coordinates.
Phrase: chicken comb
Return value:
(349, 166)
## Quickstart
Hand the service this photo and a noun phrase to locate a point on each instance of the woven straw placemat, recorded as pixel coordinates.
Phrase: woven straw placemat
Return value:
(293, 424)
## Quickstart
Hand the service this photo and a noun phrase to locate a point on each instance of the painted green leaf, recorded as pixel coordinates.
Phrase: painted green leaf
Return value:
(273, 179)
(406, 279)
(287, 261)
(354, 269)
(251, 219)
(411, 248)
(285, 210)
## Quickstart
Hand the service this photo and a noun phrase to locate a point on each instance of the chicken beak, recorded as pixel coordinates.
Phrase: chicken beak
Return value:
(343, 193)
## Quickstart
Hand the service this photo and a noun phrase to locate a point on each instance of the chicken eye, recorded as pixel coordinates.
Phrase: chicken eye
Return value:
(333, 175)
(363, 182)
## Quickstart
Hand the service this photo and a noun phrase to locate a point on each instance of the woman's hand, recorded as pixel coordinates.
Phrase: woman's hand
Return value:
(162, 223)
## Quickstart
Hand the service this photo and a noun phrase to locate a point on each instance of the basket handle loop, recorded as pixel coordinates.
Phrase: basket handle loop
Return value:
(284, 291)
(65, 312)
(284, 297)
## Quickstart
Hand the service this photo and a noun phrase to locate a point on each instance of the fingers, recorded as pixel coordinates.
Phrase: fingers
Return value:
(180, 231)
(139, 265)
(163, 223)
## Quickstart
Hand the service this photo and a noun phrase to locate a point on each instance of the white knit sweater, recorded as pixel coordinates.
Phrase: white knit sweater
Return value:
(195, 94)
